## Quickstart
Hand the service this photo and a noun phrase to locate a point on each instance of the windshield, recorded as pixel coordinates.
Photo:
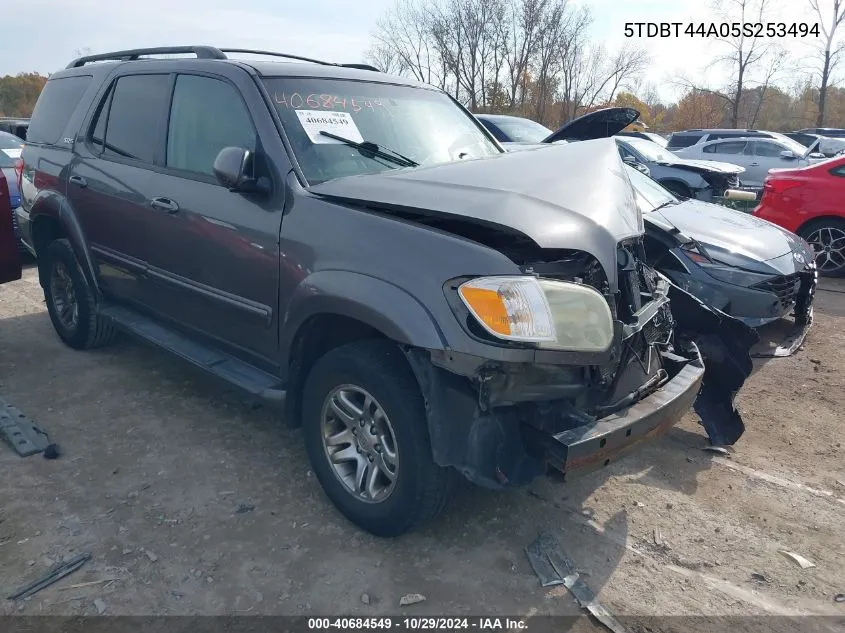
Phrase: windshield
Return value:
(650, 150)
(650, 194)
(423, 125)
(522, 130)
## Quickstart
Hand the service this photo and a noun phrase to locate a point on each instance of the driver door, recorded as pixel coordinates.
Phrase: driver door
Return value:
(766, 156)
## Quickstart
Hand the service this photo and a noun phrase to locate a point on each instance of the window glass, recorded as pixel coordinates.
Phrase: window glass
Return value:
(523, 130)
(137, 106)
(496, 132)
(421, 124)
(98, 132)
(206, 116)
(728, 147)
(838, 171)
(54, 107)
(677, 141)
(762, 148)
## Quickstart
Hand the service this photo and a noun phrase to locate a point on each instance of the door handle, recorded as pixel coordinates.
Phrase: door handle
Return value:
(165, 204)
(754, 165)
(79, 181)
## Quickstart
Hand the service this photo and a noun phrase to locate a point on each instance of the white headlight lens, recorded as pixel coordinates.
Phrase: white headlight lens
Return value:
(582, 318)
(557, 314)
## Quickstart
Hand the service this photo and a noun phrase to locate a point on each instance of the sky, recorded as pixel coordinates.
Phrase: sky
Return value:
(333, 30)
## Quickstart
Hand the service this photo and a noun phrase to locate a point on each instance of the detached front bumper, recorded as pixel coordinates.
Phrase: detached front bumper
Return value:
(589, 447)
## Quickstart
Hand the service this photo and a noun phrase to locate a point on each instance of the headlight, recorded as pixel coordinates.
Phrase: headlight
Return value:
(555, 314)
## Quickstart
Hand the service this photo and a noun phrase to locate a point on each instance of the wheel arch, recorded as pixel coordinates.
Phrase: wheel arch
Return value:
(53, 218)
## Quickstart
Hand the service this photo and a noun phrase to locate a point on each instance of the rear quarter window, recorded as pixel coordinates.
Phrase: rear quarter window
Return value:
(677, 141)
(54, 108)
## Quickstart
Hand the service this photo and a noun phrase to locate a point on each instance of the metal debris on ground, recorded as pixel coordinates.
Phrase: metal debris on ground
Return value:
(760, 578)
(244, 508)
(20, 432)
(553, 567)
(100, 606)
(840, 597)
(150, 555)
(365, 598)
(57, 573)
(411, 598)
(803, 562)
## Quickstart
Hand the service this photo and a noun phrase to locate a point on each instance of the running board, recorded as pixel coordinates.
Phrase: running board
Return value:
(233, 370)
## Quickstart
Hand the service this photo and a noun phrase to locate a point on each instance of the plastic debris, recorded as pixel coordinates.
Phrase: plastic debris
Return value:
(411, 598)
(797, 558)
(57, 573)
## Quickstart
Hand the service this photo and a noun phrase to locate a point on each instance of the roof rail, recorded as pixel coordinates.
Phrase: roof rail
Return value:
(298, 57)
(274, 54)
(202, 52)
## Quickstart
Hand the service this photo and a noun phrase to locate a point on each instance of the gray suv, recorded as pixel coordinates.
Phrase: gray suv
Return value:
(359, 247)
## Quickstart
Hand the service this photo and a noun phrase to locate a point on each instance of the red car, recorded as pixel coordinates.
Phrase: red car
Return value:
(810, 201)
(10, 263)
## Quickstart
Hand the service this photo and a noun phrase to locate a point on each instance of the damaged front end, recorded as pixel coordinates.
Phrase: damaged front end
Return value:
(502, 423)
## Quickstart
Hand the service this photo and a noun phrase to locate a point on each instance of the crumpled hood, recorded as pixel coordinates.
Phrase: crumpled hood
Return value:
(703, 165)
(729, 230)
(591, 207)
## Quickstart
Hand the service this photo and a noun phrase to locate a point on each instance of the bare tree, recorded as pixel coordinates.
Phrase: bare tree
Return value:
(402, 38)
(745, 54)
(830, 54)
(526, 17)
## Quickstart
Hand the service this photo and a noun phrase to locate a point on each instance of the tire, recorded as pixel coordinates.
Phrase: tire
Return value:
(827, 237)
(421, 489)
(66, 286)
(679, 189)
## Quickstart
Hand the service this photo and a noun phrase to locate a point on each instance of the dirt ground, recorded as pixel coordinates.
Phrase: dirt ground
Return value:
(193, 501)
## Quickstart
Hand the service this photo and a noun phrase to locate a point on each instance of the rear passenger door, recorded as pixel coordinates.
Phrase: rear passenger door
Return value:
(110, 179)
(215, 265)
(729, 152)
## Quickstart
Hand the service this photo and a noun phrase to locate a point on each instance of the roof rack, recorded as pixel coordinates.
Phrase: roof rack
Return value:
(202, 52)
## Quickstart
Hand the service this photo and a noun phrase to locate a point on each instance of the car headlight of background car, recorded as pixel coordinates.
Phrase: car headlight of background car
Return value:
(554, 314)
(723, 272)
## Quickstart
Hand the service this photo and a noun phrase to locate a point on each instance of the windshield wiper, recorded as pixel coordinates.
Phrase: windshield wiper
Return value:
(668, 203)
(368, 147)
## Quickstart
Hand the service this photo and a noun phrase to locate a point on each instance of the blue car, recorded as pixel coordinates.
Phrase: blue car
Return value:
(10, 151)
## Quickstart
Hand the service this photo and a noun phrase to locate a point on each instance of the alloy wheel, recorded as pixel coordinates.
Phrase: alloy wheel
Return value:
(828, 242)
(64, 296)
(360, 443)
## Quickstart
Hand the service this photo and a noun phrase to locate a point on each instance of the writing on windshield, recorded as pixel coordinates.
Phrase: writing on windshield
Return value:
(315, 101)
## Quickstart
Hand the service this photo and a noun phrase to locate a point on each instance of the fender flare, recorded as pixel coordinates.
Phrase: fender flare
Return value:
(52, 205)
(391, 310)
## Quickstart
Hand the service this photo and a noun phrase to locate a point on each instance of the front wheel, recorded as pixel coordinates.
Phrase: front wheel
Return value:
(827, 237)
(367, 439)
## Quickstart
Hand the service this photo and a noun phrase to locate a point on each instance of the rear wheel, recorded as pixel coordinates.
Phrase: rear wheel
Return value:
(827, 237)
(367, 439)
(70, 301)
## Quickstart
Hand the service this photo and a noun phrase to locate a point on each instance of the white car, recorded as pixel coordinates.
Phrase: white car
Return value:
(756, 154)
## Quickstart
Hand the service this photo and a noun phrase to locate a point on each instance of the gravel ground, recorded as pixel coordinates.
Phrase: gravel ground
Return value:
(193, 501)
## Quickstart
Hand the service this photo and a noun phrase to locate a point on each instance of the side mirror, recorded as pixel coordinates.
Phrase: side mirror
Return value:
(234, 168)
(787, 154)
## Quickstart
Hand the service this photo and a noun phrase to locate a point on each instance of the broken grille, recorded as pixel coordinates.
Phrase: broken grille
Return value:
(785, 287)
